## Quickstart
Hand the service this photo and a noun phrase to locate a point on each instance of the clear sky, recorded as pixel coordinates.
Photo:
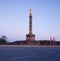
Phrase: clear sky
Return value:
(14, 19)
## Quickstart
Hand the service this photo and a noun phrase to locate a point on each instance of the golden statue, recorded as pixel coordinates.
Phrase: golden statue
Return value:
(30, 12)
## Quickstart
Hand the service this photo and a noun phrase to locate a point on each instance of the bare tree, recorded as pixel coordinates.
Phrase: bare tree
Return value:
(4, 37)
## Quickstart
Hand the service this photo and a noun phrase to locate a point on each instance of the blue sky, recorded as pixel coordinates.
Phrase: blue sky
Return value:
(14, 19)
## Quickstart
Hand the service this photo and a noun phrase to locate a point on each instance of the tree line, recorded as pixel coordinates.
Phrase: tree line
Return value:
(3, 41)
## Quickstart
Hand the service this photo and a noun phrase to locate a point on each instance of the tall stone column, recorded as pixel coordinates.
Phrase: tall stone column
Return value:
(30, 22)
(30, 37)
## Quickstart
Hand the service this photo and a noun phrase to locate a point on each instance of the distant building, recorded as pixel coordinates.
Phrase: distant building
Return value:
(52, 40)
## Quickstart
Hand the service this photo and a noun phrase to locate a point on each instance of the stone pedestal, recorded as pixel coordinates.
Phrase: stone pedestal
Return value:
(30, 38)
